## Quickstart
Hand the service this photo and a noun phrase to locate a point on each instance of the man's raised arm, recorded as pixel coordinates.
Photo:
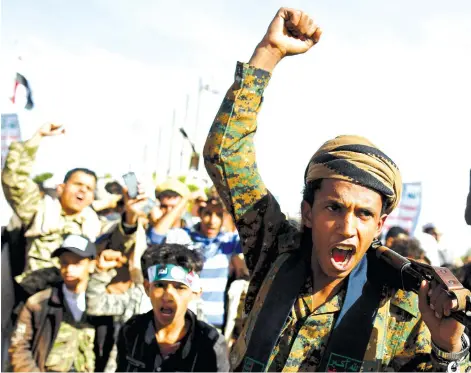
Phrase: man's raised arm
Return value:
(21, 192)
(229, 152)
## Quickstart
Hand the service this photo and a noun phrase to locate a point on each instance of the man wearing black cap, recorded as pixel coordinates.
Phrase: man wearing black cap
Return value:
(53, 332)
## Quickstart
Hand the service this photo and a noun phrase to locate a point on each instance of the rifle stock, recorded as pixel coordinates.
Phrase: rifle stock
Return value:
(412, 273)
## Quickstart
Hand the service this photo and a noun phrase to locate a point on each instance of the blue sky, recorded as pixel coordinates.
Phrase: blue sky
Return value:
(116, 71)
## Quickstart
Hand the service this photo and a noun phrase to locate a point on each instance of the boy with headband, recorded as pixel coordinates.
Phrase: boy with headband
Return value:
(170, 338)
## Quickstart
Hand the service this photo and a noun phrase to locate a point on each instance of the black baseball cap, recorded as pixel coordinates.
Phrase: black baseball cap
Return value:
(76, 244)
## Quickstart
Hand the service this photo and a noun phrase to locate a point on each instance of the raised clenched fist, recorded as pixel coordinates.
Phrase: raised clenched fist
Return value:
(292, 32)
(51, 129)
(109, 259)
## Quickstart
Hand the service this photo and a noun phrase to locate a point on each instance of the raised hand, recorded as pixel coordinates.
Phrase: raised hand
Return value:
(109, 259)
(291, 32)
(133, 206)
(51, 129)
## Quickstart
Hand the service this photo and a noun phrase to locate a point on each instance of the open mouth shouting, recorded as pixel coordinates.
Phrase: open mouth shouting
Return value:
(167, 313)
(341, 257)
(79, 197)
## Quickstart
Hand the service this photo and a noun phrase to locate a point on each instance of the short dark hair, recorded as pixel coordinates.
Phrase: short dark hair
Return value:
(393, 232)
(310, 190)
(167, 193)
(430, 230)
(113, 187)
(212, 201)
(87, 171)
(408, 247)
(175, 254)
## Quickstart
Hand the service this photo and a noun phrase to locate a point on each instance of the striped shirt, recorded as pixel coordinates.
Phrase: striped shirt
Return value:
(217, 253)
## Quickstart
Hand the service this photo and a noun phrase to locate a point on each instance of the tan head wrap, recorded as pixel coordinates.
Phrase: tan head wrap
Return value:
(174, 185)
(355, 159)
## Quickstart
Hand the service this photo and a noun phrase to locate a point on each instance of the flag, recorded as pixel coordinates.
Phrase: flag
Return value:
(406, 214)
(21, 80)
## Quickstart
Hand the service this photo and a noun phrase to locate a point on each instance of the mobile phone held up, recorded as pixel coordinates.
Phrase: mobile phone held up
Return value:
(130, 180)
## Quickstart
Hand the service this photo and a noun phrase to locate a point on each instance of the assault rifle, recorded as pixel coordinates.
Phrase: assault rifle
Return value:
(412, 273)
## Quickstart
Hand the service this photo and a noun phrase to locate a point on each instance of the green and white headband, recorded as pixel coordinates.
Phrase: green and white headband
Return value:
(171, 272)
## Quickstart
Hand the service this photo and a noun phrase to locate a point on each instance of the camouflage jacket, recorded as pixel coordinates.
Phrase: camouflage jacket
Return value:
(73, 346)
(46, 337)
(43, 218)
(122, 306)
(400, 339)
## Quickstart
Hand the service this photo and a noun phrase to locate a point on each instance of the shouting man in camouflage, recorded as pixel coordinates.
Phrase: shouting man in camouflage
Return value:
(315, 302)
(47, 220)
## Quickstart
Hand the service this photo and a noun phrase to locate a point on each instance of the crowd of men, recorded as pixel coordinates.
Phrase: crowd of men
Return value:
(222, 281)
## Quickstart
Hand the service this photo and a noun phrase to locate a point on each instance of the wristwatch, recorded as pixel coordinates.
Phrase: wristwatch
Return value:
(452, 356)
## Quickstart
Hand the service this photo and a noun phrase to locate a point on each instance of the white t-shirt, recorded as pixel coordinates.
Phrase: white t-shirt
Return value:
(75, 301)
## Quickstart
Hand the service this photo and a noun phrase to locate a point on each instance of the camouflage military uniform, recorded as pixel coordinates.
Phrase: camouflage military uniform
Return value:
(73, 347)
(123, 306)
(45, 221)
(399, 338)
(47, 338)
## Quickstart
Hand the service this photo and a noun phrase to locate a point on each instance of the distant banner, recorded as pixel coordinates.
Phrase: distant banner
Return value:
(406, 215)
(10, 132)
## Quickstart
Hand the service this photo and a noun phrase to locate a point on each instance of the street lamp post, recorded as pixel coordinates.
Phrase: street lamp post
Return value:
(171, 142)
(195, 157)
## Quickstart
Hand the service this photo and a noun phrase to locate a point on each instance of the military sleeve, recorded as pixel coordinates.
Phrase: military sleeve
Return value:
(229, 152)
(101, 303)
(21, 354)
(115, 236)
(229, 156)
(21, 192)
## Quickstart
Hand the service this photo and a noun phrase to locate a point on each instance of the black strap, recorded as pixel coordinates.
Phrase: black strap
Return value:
(274, 312)
(352, 331)
(350, 335)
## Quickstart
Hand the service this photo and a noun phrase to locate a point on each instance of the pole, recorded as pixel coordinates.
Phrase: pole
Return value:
(185, 122)
(172, 135)
(200, 89)
(159, 146)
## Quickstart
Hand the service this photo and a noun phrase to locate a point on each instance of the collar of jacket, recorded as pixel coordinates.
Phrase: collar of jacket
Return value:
(149, 336)
(57, 296)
